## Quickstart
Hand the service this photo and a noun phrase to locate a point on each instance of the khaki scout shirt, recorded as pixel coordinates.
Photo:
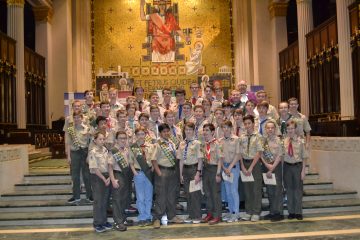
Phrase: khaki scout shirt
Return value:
(250, 145)
(125, 154)
(194, 152)
(231, 148)
(299, 152)
(302, 124)
(99, 158)
(258, 124)
(159, 155)
(148, 148)
(82, 133)
(275, 147)
(216, 152)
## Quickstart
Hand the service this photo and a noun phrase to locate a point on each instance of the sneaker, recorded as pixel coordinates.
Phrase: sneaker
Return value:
(246, 217)
(141, 223)
(233, 218)
(99, 229)
(255, 218)
(215, 221)
(156, 224)
(179, 207)
(73, 200)
(196, 221)
(120, 227)
(299, 216)
(207, 218)
(89, 200)
(188, 220)
(148, 222)
(268, 216)
(226, 217)
(107, 226)
(176, 219)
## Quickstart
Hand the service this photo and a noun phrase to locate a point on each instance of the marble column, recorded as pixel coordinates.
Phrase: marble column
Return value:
(43, 45)
(15, 29)
(345, 62)
(278, 11)
(242, 41)
(305, 25)
(82, 46)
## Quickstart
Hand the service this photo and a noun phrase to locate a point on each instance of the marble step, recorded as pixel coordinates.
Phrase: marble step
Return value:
(51, 184)
(46, 176)
(85, 216)
(59, 203)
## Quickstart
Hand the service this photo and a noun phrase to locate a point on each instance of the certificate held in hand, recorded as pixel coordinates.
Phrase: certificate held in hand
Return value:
(269, 181)
(195, 187)
(245, 178)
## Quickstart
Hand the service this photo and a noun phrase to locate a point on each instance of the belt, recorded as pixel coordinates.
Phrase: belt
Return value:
(293, 164)
(167, 168)
(117, 171)
(191, 166)
(210, 166)
(247, 160)
(138, 169)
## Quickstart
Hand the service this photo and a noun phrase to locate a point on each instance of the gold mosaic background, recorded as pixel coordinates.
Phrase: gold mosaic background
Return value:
(118, 34)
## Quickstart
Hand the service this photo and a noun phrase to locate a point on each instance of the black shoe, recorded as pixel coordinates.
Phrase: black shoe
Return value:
(128, 222)
(90, 200)
(299, 216)
(120, 227)
(277, 218)
(268, 216)
(291, 216)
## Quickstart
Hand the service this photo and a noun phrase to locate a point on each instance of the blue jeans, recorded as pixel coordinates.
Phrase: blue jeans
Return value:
(231, 189)
(144, 196)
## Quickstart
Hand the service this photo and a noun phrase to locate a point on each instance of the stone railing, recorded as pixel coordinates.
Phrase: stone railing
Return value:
(341, 144)
(14, 164)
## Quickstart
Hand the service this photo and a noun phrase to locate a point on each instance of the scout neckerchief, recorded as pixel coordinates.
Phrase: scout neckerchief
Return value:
(168, 149)
(248, 143)
(268, 155)
(290, 148)
(208, 150)
(74, 137)
(119, 158)
(186, 149)
(261, 124)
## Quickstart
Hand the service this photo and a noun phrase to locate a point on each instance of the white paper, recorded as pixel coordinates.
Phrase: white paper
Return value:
(195, 187)
(227, 177)
(269, 181)
(246, 178)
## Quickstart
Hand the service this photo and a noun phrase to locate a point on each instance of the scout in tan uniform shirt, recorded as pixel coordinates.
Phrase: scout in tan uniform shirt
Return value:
(294, 170)
(231, 149)
(77, 137)
(191, 156)
(250, 155)
(271, 158)
(140, 163)
(166, 177)
(199, 122)
(118, 172)
(99, 159)
(212, 175)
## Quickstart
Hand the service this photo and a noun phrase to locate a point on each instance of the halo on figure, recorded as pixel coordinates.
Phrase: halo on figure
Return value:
(199, 45)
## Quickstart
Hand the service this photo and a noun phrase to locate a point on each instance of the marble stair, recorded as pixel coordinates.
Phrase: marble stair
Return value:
(41, 199)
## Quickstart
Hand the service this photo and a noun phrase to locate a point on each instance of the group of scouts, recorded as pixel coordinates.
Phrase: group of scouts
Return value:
(207, 144)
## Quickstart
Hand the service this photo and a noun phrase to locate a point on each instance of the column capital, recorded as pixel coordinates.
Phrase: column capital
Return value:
(43, 13)
(278, 8)
(19, 3)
